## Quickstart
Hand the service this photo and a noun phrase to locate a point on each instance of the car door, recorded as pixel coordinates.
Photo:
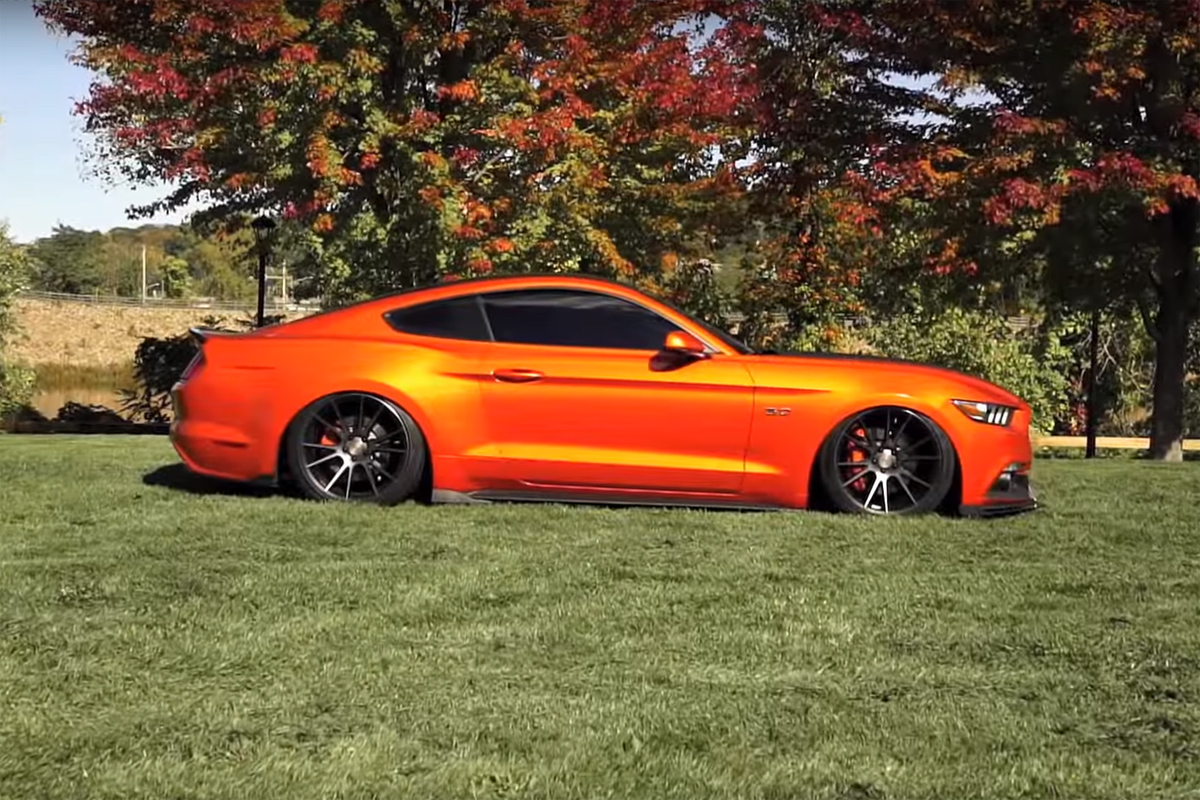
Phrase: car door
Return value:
(581, 396)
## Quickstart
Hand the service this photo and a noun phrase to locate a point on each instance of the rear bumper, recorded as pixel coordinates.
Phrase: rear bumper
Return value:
(211, 453)
(213, 447)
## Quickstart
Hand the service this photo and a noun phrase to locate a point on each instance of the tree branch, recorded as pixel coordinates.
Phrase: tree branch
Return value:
(1147, 320)
(1154, 279)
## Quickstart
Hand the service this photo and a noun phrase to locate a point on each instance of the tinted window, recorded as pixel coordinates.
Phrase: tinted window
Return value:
(574, 319)
(457, 318)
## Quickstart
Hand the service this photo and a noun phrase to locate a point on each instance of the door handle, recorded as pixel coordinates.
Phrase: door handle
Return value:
(517, 375)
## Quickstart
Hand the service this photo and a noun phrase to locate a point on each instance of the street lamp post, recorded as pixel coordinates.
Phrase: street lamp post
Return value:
(264, 229)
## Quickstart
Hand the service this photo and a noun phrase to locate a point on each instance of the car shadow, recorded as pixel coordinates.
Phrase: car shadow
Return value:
(179, 478)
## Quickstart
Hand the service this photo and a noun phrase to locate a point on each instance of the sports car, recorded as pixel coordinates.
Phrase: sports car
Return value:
(579, 390)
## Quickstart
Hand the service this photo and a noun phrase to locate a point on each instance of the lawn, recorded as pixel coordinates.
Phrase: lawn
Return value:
(168, 642)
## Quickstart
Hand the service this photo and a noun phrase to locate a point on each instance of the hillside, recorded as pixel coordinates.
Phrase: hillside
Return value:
(86, 334)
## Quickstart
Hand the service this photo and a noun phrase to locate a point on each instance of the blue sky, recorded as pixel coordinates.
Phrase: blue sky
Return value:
(44, 180)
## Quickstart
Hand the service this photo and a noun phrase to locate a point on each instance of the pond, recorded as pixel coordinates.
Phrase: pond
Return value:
(59, 384)
(49, 401)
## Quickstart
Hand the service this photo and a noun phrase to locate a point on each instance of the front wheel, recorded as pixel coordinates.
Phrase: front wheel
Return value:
(887, 460)
(356, 447)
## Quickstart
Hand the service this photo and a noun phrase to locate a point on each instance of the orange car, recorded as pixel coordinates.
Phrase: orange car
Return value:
(575, 389)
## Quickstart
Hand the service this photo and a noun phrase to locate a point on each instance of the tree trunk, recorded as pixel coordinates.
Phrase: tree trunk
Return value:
(1170, 367)
(1175, 278)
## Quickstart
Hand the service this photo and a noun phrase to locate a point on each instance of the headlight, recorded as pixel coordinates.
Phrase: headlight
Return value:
(987, 413)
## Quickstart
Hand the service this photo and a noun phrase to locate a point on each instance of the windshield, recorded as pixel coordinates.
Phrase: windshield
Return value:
(736, 345)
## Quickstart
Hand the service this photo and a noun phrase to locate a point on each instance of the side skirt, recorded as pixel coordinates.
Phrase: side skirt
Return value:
(449, 497)
(572, 498)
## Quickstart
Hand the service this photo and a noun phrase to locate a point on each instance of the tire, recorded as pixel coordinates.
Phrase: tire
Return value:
(889, 461)
(356, 447)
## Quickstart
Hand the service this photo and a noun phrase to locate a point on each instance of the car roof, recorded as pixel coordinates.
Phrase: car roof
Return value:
(491, 283)
(447, 289)
(346, 318)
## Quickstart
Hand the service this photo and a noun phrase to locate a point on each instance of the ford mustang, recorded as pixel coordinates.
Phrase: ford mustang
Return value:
(576, 389)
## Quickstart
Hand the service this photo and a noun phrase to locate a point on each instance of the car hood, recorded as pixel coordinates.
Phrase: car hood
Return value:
(969, 387)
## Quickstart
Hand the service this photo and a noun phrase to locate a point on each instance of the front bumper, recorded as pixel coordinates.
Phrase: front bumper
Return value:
(1010, 494)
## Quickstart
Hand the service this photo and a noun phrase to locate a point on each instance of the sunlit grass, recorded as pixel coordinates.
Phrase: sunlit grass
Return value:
(170, 638)
(55, 377)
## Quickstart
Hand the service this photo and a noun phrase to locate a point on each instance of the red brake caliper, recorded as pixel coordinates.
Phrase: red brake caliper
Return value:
(858, 455)
(330, 437)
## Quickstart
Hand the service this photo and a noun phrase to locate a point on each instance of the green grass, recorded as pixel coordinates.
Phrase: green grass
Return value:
(157, 642)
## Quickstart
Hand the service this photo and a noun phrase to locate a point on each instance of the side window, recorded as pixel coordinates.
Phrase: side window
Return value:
(568, 318)
(456, 318)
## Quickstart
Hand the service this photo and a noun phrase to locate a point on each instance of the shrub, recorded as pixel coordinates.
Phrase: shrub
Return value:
(1124, 389)
(16, 388)
(1027, 362)
(1124, 380)
(157, 365)
(693, 287)
(16, 382)
(1191, 402)
(89, 414)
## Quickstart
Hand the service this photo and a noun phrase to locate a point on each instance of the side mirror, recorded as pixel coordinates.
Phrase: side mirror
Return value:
(684, 342)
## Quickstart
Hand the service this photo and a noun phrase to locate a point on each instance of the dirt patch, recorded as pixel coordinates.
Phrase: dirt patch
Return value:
(64, 332)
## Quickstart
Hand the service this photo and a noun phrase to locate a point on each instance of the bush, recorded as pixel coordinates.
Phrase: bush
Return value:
(1124, 390)
(693, 287)
(1123, 385)
(1027, 362)
(157, 365)
(88, 414)
(16, 388)
(1191, 402)
(16, 382)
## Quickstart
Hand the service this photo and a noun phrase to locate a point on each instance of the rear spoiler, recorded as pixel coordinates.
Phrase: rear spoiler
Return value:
(201, 335)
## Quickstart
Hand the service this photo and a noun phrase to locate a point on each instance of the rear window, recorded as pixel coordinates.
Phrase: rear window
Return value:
(456, 318)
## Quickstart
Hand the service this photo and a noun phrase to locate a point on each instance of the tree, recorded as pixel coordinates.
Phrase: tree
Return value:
(69, 261)
(424, 138)
(15, 383)
(1073, 130)
(120, 261)
(175, 278)
(220, 269)
(823, 111)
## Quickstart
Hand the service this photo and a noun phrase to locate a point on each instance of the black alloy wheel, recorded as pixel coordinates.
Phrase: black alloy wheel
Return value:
(356, 447)
(887, 460)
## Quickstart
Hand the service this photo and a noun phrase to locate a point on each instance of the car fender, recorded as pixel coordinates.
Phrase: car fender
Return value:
(934, 411)
(291, 410)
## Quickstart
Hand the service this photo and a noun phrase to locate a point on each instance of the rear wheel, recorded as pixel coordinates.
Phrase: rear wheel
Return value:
(887, 460)
(356, 447)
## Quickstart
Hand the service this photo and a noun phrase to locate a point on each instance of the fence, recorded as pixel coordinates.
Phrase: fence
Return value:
(1109, 443)
(200, 303)
(273, 304)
